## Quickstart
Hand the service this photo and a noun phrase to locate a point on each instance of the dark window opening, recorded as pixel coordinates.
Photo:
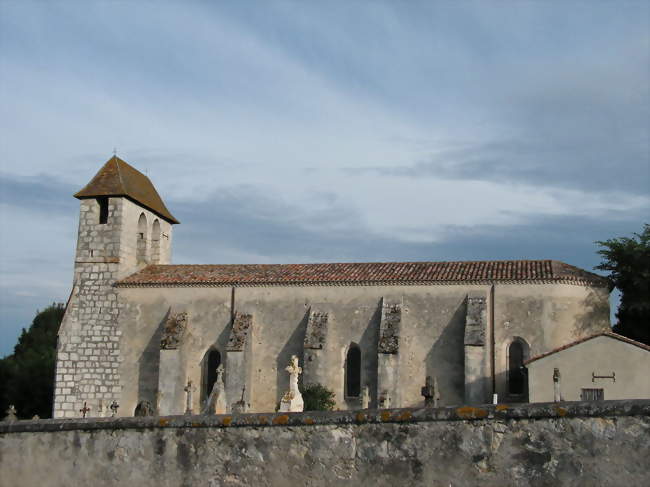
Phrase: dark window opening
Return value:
(353, 372)
(592, 395)
(212, 362)
(103, 210)
(516, 371)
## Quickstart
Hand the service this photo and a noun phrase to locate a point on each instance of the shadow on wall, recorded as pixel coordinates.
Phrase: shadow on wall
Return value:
(446, 359)
(294, 346)
(149, 365)
(369, 362)
(220, 344)
(595, 318)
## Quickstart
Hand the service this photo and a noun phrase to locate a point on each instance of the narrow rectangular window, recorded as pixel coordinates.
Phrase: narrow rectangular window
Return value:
(592, 395)
(103, 210)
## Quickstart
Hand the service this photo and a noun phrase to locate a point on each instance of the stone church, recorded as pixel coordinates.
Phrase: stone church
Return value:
(138, 328)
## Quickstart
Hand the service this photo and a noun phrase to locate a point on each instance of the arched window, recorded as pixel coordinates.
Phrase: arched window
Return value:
(353, 371)
(155, 242)
(141, 244)
(517, 377)
(211, 361)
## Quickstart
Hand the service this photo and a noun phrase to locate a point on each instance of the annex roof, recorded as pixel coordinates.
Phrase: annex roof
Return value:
(361, 273)
(609, 334)
(117, 178)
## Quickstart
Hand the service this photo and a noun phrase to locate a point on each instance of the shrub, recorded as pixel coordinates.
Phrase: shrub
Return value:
(317, 398)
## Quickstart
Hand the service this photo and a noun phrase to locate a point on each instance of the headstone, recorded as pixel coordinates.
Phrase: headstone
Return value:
(239, 406)
(292, 399)
(216, 401)
(429, 392)
(36, 417)
(365, 398)
(557, 394)
(384, 400)
(158, 396)
(11, 414)
(188, 399)
(114, 407)
(144, 408)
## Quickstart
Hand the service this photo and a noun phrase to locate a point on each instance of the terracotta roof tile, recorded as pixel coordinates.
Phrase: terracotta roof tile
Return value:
(351, 273)
(610, 334)
(117, 178)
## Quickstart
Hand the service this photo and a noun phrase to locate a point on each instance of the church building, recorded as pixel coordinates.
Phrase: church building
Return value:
(138, 328)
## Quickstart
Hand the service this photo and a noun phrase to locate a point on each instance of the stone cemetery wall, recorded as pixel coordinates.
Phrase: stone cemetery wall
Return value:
(577, 444)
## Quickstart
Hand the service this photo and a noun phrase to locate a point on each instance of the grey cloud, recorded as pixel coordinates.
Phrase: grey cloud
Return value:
(43, 193)
(596, 166)
(244, 219)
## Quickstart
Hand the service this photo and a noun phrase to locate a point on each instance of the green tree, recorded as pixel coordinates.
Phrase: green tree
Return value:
(27, 376)
(628, 262)
(317, 398)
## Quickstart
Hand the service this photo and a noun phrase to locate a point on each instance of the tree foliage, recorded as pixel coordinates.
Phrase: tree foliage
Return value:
(628, 262)
(27, 375)
(317, 398)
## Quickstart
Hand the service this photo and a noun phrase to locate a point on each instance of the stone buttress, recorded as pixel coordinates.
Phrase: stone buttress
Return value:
(238, 363)
(477, 372)
(388, 390)
(315, 364)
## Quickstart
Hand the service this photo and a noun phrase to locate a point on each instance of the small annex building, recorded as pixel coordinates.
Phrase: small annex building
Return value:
(598, 367)
(139, 330)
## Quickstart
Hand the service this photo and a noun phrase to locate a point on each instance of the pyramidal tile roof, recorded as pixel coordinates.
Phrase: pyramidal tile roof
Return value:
(117, 178)
(361, 273)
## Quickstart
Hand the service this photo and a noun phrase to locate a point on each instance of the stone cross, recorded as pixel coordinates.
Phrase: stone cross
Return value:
(365, 398)
(216, 401)
(84, 410)
(188, 400)
(11, 414)
(292, 399)
(114, 406)
(430, 392)
(557, 394)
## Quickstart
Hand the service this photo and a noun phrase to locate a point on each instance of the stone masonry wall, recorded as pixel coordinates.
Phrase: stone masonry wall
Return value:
(87, 367)
(89, 345)
(577, 444)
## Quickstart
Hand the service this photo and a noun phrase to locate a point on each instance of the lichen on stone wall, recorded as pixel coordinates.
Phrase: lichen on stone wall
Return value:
(588, 444)
(391, 318)
(241, 325)
(475, 320)
(316, 330)
(175, 326)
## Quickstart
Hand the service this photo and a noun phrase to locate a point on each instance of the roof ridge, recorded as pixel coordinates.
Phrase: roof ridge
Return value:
(374, 262)
(119, 172)
(608, 333)
(359, 272)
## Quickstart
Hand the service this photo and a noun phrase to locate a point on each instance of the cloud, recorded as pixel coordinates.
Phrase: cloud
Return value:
(297, 132)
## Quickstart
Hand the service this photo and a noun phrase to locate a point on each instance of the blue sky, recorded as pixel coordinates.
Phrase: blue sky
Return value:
(325, 131)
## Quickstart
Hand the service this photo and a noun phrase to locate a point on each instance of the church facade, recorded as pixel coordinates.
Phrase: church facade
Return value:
(138, 328)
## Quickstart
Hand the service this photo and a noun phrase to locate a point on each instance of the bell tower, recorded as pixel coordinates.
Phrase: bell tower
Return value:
(123, 226)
